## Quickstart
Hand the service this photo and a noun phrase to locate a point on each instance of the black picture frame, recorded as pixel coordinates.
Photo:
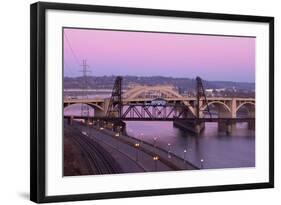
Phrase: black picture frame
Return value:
(38, 100)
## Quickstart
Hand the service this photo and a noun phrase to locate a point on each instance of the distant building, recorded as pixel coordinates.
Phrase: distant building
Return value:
(209, 92)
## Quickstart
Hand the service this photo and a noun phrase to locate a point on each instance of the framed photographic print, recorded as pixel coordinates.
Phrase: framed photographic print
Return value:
(129, 102)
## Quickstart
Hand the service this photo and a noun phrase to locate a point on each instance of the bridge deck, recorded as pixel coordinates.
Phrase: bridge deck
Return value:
(163, 119)
(96, 100)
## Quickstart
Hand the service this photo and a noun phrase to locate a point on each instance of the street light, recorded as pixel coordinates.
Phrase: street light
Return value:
(137, 145)
(169, 150)
(184, 158)
(202, 161)
(120, 130)
(155, 159)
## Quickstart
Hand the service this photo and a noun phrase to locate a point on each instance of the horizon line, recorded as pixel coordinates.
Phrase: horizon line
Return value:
(193, 78)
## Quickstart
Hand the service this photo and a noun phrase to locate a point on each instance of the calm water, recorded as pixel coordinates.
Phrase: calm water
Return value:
(217, 149)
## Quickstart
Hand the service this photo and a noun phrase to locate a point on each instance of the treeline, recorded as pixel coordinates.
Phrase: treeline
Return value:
(107, 82)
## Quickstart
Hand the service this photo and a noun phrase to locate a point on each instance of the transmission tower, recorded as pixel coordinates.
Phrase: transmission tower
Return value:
(201, 98)
(85, 110)
(115, 103)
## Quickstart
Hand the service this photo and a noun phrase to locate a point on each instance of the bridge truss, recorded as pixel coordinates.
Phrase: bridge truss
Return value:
(172, 111)
(149, 110)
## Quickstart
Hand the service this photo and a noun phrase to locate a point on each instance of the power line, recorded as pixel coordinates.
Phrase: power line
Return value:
(85, 108)
(71, 49)
(68, 69)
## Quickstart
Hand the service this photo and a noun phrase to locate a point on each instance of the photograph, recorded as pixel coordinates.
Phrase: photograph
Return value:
(133, 102)
(149, 101)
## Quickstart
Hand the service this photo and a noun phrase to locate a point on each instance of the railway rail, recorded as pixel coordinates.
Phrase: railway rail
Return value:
(98, 160)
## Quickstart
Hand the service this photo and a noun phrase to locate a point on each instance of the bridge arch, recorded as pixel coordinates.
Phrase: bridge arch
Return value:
(249, 106)
(98, 110)
(167, 91)
(92, 105)
(222, 108)
(133, 90)
(218, 103)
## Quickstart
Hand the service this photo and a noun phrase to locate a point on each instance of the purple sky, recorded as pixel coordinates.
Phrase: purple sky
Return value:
(149, 54)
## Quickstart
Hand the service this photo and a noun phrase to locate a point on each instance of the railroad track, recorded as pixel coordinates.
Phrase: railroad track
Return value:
(98, 160)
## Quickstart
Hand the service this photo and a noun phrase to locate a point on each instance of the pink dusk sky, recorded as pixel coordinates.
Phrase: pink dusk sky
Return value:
(224, 58)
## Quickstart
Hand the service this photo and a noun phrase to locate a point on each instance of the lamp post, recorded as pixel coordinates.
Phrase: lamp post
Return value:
(202, 161)
(184, 156)
(137, 145)
(117, 135)
(155, 159)
(120, 130)
(101, 129)
(98, 123)
(169, 150)
(101, 124)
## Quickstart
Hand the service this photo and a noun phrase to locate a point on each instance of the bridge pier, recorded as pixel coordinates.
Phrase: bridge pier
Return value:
(99, 112)
(199, 127)
(226, 126)
(113, 125)
(120, 126)
(252, 123)
(190, 126)
(70, 120)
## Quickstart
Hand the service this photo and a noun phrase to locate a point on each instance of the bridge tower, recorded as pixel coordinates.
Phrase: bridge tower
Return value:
(115, 107)
(201, 99)
(201, 103)
(115, 103)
